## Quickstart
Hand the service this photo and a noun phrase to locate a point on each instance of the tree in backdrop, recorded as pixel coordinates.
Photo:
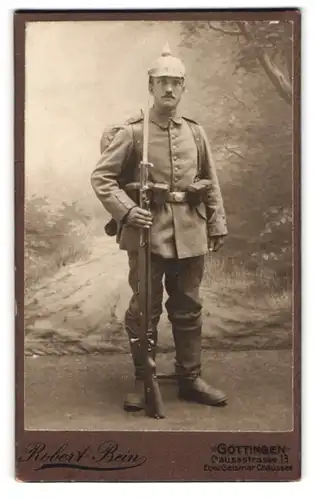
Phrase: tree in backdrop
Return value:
(242, 83)
(54, 237)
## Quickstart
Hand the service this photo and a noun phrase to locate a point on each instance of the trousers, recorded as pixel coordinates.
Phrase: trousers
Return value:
(181, 279)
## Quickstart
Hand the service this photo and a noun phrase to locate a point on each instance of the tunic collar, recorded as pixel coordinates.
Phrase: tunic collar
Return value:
(163, 120)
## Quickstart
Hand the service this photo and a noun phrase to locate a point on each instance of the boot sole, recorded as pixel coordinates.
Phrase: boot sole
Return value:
(221, 402)
(132, 408)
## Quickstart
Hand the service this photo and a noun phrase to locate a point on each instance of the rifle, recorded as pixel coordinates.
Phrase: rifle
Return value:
(153, 400)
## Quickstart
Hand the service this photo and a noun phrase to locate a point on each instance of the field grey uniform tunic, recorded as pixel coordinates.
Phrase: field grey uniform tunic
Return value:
(179, 232)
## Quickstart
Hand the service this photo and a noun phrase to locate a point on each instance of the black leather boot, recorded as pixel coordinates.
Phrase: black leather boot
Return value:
(135, 399)
(188, 368)
(199, 391)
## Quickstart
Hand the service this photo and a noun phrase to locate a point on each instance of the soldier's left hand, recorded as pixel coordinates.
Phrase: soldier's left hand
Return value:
(215, 243)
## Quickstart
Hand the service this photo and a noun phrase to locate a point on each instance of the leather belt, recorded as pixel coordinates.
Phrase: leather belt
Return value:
(176, 197)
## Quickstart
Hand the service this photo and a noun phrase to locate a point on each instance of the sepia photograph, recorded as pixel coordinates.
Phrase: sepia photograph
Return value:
(159, 230)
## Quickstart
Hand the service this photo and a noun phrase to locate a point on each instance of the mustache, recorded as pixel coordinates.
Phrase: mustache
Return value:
(169, 95)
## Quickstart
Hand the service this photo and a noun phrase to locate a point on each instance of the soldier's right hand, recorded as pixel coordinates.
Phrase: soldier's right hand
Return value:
(138, 217)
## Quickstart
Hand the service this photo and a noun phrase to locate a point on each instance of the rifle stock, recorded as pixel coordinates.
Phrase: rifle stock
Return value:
(153, 400)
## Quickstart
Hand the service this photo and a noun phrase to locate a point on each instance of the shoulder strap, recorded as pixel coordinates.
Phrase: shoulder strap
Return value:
(190, 120)
(135, 119)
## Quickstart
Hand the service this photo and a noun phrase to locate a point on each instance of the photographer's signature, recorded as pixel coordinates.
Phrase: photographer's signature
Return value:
(106, 456)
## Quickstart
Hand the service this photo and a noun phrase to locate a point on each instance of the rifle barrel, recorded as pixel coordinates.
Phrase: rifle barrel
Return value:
(153, 400)
(145, 133)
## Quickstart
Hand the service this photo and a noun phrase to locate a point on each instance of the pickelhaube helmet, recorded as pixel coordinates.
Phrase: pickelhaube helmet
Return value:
(167, 65)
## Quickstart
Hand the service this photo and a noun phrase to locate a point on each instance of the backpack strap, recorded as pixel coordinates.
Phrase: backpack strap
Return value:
(136, 153)
(137, 133)
(196, 132)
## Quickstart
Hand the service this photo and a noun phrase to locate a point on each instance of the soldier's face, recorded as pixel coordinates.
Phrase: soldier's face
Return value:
(166, 91)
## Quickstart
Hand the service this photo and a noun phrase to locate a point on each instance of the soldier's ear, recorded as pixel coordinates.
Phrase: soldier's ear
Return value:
(150, 85)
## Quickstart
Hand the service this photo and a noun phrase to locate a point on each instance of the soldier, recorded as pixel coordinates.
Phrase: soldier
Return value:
(182, 234)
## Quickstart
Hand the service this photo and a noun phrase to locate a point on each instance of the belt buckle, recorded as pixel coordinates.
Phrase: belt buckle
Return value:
(177, 196)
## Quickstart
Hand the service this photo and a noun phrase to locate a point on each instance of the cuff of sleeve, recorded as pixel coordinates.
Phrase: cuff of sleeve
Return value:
(217, 228)
(122, 206)
(124, 219)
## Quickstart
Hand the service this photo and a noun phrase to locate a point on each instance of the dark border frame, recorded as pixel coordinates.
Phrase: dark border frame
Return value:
(167, 456)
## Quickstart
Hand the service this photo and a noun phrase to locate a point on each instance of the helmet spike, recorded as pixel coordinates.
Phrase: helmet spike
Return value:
(166, 51)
